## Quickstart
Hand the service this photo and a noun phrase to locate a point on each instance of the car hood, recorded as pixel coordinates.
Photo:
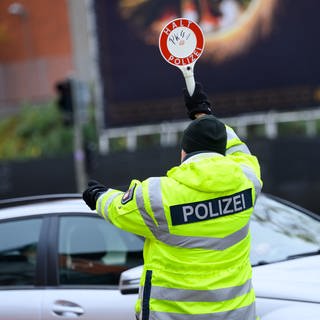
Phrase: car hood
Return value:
(297, 279)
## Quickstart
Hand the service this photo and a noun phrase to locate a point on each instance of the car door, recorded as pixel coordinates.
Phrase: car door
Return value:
(87, 257)
(20, 263)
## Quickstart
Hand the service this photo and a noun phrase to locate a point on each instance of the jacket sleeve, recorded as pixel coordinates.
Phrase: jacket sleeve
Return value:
(126, 210)
(238, 151)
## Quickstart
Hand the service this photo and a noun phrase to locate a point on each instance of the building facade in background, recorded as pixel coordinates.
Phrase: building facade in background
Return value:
(35, 51)
(259, 55)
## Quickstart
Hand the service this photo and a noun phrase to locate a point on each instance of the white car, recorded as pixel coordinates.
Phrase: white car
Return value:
(58, 260)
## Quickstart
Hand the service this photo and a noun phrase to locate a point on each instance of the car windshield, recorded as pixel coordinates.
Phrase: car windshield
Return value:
(280, 231)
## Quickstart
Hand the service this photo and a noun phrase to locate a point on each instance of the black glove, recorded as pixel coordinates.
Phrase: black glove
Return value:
(197, 103)
(92, 193)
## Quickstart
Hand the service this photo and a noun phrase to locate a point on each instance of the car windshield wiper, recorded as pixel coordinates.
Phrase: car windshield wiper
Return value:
(261, 263)
(264, 262)
(304, 254)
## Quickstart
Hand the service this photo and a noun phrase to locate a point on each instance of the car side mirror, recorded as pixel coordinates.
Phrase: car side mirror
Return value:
(130, 281)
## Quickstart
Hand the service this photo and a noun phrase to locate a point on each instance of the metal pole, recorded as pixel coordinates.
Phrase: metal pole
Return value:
(86, 53)
(78, 142)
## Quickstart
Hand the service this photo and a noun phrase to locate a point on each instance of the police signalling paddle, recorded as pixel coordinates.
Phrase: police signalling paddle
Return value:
(181, 43)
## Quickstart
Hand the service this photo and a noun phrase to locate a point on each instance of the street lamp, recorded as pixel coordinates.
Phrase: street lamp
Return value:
(17, 9)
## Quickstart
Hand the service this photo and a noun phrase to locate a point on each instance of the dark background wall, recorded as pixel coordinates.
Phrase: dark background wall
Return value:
(289, 169)
(277, 70)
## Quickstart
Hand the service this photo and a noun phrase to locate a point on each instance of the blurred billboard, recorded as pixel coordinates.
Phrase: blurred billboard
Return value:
(259, 55)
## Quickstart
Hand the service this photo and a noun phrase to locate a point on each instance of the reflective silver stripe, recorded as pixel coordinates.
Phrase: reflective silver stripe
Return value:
(201, 156)
(217, 295)
(247, 170)
(110, 199)
(100, 199)
(231, 134)
(155, 196)
(99, 205)
(140, 295)
(205, 242)
(250, 174)
(146, 217)
(244, 313)
(162, 232)
(238, 148)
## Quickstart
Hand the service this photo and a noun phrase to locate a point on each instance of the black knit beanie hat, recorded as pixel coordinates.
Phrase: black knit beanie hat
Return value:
(205, 133)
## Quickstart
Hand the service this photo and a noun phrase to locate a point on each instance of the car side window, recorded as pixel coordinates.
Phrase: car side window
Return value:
(94, 252)
(18, 251)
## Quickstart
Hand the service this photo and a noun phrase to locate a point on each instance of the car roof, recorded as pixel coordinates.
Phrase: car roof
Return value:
(44, 204)
(72, 202)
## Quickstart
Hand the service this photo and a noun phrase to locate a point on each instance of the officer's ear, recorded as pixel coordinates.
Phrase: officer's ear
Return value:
(183, 155)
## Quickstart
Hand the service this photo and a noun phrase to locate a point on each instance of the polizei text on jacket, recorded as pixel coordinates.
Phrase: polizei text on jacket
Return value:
(211, 209)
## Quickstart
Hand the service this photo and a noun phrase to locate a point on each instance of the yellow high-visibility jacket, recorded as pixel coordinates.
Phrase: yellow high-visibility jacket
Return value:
(196, 224)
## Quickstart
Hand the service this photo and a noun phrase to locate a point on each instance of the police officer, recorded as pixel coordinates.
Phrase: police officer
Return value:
(196, 224)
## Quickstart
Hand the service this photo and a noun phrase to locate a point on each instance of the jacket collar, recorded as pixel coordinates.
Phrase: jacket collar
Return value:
(199, 155)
